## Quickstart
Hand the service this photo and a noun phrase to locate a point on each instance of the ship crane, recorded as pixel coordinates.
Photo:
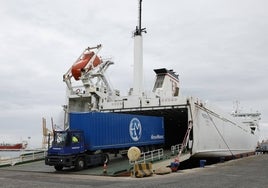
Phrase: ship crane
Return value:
(46, 133)
(90, 69)
(86, 62)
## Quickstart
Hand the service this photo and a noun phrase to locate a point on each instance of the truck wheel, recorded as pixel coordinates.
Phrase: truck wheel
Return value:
(80, 164)
(58, 167)
(105, 158)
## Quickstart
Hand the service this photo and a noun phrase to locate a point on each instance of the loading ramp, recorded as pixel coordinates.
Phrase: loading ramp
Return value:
(166, 162)
(161, 158)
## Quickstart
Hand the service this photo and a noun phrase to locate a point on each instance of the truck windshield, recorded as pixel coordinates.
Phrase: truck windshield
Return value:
(60, 139)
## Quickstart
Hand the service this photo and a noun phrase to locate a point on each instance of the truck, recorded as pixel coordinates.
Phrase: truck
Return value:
(92, 136)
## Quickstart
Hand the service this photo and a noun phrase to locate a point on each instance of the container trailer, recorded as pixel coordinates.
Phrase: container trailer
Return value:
(93, 135)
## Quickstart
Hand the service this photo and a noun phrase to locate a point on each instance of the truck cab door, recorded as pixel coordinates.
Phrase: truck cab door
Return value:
(77, 142)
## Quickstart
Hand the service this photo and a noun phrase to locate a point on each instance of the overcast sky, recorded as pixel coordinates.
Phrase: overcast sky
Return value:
(218, 47)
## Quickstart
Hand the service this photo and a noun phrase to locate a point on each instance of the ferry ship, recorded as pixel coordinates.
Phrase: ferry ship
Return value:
(192, 127)
(17, 146)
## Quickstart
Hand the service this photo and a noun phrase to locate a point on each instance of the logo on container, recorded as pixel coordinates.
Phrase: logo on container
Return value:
(156, 137)
(135, 129)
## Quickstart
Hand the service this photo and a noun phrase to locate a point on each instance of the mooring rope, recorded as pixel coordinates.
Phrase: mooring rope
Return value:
(219, 133)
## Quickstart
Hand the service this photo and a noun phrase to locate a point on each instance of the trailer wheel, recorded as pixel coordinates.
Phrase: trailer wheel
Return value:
(80, 164)
(58, 167)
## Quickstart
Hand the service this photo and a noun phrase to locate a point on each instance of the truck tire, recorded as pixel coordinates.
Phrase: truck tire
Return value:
(105, 158)
(80, 164)
(58, 167)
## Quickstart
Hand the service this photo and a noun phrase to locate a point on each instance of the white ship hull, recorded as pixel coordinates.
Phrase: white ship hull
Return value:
(217, 134)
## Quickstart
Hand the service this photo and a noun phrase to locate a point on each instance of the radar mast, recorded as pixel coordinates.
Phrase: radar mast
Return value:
(138, 56)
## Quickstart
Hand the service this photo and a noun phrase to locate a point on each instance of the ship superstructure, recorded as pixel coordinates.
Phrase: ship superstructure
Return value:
(191, 126)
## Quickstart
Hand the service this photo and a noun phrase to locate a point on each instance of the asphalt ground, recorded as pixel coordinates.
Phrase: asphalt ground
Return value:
(248, 172)
(118, 165)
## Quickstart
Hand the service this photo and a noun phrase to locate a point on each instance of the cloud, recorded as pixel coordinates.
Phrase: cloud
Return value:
(219, 49)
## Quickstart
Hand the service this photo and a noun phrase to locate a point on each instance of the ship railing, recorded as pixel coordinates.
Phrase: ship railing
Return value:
(150, 156)
(23, 158)
(176, 148)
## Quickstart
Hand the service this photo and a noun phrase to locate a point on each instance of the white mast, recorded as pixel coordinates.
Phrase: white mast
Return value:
(138, 57)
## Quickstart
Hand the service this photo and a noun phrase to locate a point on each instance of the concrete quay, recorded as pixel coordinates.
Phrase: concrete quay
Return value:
(246, 172)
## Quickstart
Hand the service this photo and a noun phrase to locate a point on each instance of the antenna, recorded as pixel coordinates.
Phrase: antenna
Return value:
(139, 30)
(236, 106)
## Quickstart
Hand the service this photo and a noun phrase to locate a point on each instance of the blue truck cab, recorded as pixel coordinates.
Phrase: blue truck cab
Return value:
(68, 150)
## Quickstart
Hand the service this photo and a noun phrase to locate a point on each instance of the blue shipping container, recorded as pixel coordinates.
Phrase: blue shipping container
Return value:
(114, 131)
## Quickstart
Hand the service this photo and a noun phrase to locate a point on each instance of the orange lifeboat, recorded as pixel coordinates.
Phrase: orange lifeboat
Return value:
(79, 65)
